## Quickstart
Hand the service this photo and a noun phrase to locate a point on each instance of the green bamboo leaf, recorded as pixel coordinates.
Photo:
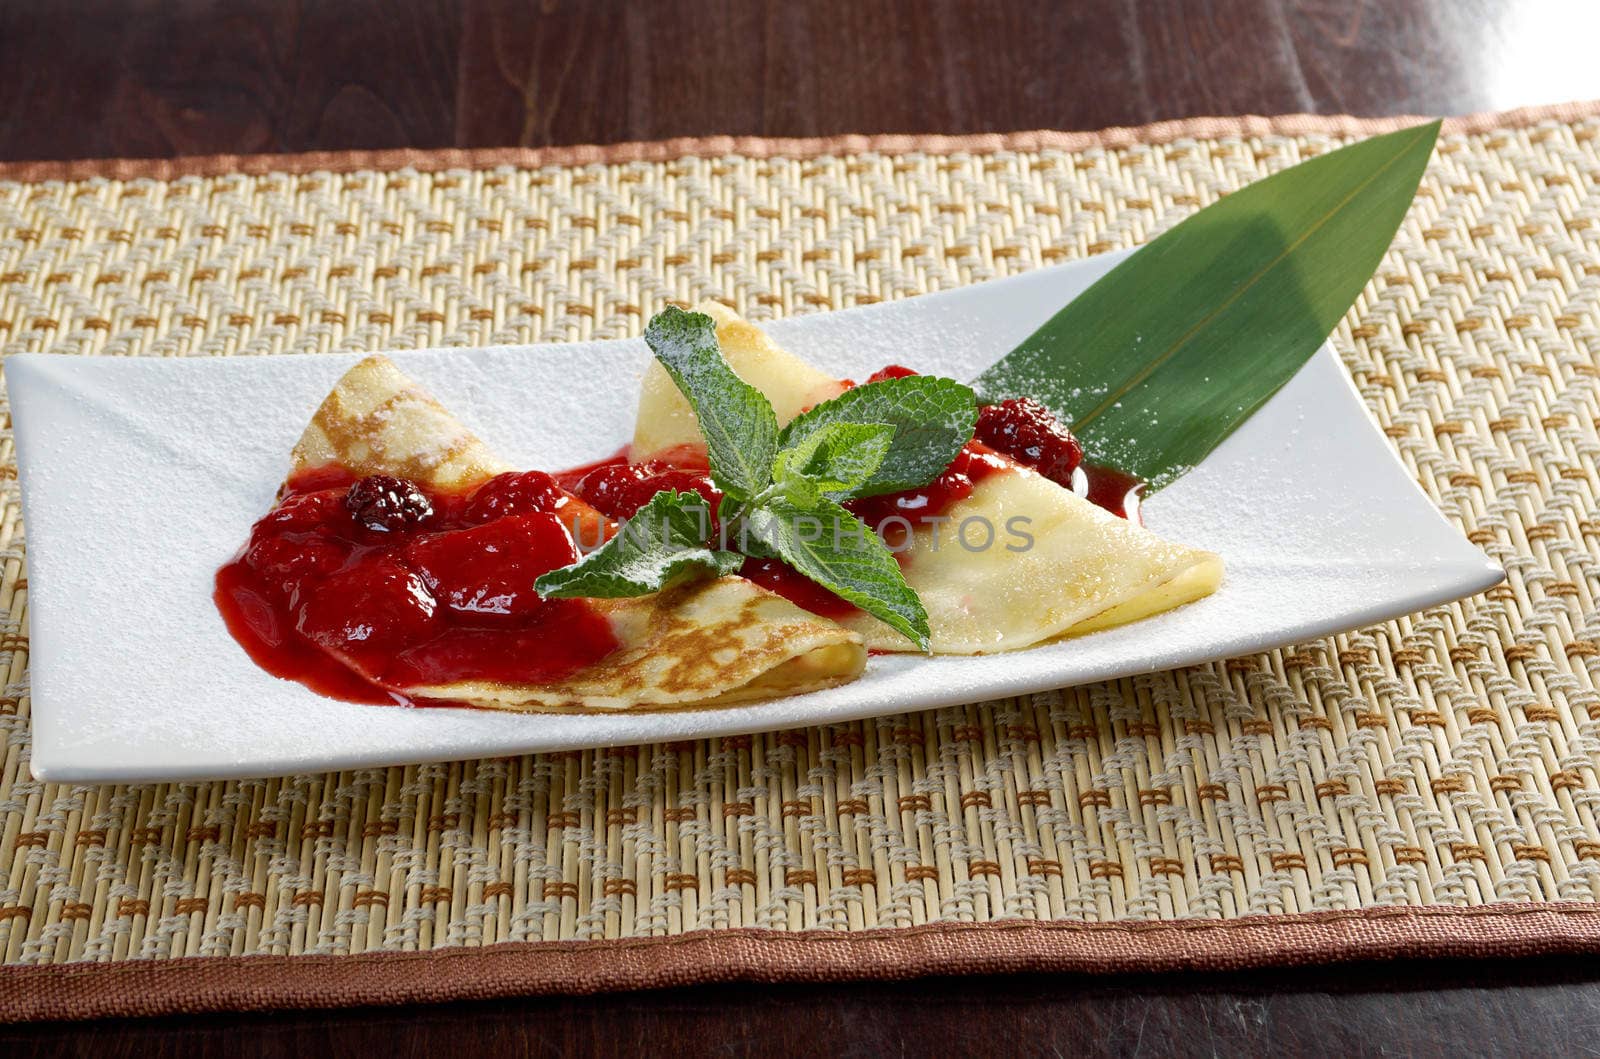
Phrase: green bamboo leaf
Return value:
(1175, 347)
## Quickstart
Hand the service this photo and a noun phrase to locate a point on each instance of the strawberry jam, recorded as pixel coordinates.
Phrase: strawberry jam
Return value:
(972, 464)
(1111, 489)
(621, 489)
(358, 589)
(777, 576)
(1025, 430)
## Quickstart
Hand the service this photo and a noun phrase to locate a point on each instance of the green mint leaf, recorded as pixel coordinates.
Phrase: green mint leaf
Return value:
(932, 418)
(663, 542)
(839, 552)
(736, 419)
(836, 459)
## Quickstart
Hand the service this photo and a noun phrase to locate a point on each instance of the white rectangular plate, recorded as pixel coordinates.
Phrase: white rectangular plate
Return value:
(141, 476)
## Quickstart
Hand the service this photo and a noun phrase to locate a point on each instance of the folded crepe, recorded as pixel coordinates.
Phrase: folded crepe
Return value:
(706, 643)
(1085, 569)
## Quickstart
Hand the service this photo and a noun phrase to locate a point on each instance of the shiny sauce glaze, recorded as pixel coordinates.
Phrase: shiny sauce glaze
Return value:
(360, 612)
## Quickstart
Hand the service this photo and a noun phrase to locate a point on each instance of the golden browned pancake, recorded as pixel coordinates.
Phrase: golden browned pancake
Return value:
(707, 643)
(377, 421)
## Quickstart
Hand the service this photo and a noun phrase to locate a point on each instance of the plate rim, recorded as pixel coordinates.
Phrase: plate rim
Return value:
(53, 763)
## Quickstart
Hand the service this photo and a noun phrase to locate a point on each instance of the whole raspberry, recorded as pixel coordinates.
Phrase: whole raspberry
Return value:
(1025, 430)
(619, 490)
(513, 493)
(386, 504)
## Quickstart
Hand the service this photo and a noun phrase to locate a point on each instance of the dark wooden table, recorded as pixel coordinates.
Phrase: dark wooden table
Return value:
(169, 77)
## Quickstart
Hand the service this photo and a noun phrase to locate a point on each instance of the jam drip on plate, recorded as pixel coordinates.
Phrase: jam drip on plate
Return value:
(362, 588)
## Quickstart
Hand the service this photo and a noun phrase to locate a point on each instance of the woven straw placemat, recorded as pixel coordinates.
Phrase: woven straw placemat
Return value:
(1424, 786)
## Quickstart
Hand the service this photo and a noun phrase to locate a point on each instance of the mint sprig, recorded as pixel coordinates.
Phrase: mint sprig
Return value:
(841, 553)
(740, 428)
(837, 459)
(782, 490)
(664, 542)
(932, 418)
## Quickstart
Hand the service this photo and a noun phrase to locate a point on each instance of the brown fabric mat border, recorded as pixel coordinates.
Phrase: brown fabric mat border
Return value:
(194, 985)
(764, 147)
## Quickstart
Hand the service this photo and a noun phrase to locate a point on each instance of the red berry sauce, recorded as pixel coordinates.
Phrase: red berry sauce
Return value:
(774, 575)
(1025, 430)
(620, 489)
(892, 513)
(358, 589)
